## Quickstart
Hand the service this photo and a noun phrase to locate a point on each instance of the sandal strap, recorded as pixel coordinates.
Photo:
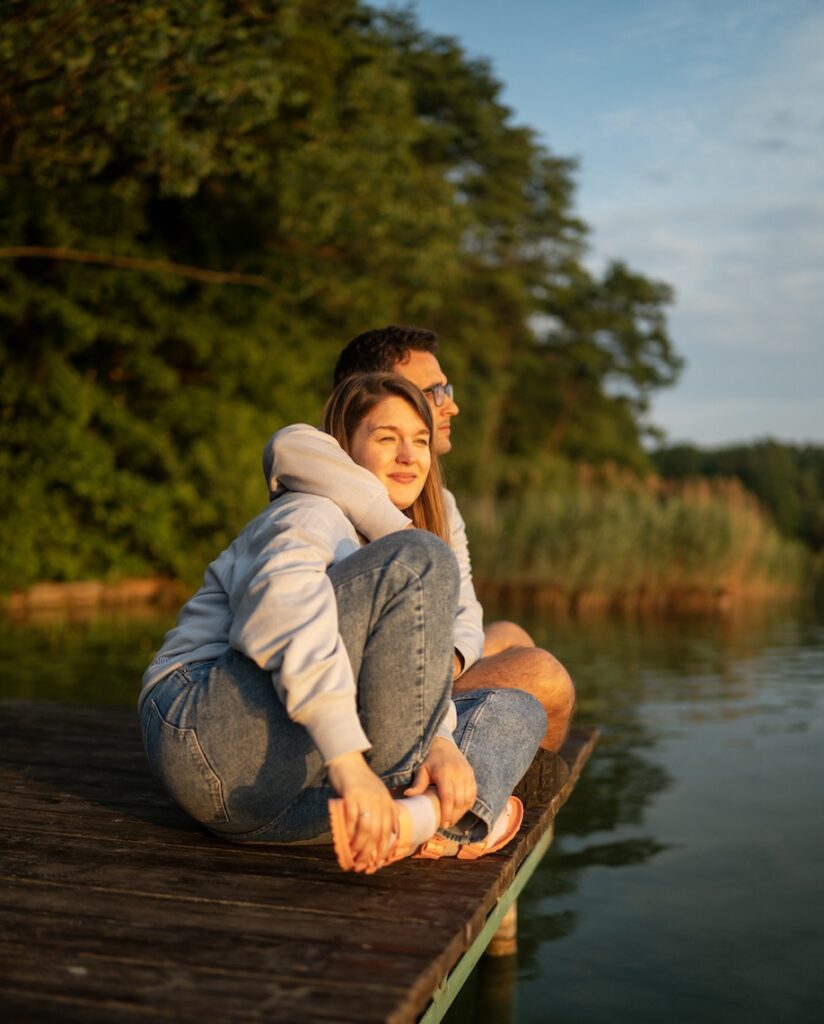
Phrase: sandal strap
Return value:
(436, 847)
(471, 851)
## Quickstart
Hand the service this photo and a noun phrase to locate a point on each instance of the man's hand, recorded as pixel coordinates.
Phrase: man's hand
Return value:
(445, 768)
(371, 814)
(458, 665)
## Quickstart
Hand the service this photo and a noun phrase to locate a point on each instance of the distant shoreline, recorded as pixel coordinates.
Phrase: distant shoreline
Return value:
(677, 601)
(95, 595)
(143, 593)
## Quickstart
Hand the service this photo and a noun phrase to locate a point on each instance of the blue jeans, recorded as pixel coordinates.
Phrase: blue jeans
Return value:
(219, 739)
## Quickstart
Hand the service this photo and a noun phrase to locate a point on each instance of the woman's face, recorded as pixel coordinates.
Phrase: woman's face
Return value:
(392, 441)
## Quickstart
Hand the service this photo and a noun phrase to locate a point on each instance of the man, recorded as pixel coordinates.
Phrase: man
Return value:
(501, 655)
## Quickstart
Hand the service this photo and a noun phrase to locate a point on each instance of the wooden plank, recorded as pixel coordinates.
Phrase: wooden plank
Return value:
(114, 906)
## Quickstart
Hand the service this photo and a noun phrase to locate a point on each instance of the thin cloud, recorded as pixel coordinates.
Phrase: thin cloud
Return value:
(735, 221)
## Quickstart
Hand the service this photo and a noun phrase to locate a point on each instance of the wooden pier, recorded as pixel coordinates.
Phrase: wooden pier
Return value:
(115, 907)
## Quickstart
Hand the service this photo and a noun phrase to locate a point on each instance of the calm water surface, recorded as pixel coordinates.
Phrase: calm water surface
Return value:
(686, 880)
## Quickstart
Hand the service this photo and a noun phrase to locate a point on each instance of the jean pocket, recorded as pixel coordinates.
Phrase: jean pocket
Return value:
(177, 759)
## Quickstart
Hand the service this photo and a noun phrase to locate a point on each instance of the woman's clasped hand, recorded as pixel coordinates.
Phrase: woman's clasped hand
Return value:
(447, 770)
(371, 813)
(444, 777)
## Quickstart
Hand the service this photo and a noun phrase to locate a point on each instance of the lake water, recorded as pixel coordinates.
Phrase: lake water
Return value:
(686, 879)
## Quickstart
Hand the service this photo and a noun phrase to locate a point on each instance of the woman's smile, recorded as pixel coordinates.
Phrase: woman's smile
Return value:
(392, 442)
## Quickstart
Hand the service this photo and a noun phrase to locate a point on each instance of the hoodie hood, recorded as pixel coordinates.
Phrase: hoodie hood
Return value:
(276, 489)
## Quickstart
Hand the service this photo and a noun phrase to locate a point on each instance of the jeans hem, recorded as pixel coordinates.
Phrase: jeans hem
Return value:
(483, 812)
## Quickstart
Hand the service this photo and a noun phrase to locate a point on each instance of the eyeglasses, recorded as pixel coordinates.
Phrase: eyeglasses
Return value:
(439, 392)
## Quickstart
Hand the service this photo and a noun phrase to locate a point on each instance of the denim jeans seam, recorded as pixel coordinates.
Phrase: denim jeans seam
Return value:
(181, 675)
(417, 753)
(217, 778)
(379, 570)
(399, 778)
(471, 726)
(420, 629)
(480, 808)
(188, 731)
(482, 811)
(382, 569)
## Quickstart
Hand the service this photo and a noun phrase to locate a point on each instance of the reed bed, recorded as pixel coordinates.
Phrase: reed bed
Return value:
(609, 539)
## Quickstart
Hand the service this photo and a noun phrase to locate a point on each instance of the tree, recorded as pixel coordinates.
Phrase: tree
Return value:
(604, 351)
(273, 140)
(201, 201)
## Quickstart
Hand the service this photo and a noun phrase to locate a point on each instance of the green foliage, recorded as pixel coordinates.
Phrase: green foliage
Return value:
(358, 171)
(787, 479)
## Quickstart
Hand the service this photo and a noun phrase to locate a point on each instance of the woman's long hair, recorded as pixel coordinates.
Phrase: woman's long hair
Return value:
(353, 399)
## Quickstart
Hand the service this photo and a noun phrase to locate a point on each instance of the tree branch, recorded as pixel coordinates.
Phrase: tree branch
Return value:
(136, 263)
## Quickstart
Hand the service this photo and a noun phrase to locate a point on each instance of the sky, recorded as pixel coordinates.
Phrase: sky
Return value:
(698, 126)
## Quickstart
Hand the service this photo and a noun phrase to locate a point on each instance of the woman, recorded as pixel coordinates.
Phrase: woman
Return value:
(305, 649)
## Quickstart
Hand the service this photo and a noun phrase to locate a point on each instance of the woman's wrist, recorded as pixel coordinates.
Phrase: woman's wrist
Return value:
(350, 757)
(346, 768)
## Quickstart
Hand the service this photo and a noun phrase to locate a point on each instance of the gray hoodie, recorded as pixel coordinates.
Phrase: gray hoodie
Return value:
(290, 629)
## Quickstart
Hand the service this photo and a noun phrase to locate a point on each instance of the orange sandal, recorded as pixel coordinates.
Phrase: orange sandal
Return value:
(439, 846)
(403, 844)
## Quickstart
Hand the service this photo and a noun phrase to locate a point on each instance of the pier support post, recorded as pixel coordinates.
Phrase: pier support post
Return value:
(505, 940)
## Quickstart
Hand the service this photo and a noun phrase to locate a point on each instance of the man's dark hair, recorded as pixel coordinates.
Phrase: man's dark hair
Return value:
(381, 349)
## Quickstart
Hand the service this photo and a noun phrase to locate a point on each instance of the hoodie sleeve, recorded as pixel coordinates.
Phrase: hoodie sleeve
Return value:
(305, 459)
(469, 621)
(285, 620)
(448, 724)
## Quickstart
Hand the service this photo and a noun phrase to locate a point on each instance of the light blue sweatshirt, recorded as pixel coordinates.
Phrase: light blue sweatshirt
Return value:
(268, 596)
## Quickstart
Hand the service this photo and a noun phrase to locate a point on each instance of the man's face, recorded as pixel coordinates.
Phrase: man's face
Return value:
(423, 369)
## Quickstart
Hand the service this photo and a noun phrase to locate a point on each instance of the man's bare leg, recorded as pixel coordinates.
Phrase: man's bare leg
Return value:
(512, 660)
(500, 636)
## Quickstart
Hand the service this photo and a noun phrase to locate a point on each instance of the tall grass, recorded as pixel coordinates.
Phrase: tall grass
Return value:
(611, 539)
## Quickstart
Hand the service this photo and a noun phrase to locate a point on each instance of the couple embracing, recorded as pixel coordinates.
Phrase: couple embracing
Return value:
(331, 679)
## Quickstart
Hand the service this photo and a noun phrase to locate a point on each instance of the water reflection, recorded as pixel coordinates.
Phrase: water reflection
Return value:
(83, 657)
